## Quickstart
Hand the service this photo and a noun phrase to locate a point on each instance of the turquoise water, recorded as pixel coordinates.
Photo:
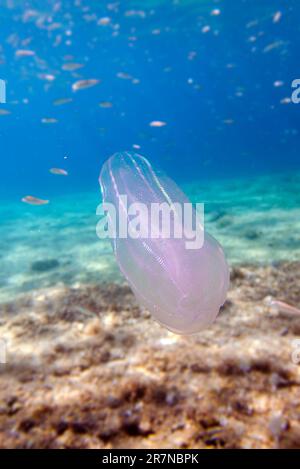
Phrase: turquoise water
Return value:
(257, 220)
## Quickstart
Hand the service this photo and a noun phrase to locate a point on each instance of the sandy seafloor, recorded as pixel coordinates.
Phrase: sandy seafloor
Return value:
(87, 368)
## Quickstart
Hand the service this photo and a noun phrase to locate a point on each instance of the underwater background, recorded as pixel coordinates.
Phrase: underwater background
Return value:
(203, 89)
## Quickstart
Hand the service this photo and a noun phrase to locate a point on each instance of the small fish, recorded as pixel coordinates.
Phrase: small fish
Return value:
(58, 171)
(124, 76)
(205, 29)
(106, 104)
(140, 13)
(272, 46)
(278, 83)
(215, 12)
(71, 66)
(29, 199)
(60, 102)
(283, 307)
(49, 120)
(47, 76)
(4, 112)
(136, 147)
(251, 24)
(277, 17)
(286, 100)
(24, 53)
(157, 124)
(104, 21)
(54, 26)
(83, 84)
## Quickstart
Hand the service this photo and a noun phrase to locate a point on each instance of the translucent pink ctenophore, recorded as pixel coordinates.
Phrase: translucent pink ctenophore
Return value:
(182, 288)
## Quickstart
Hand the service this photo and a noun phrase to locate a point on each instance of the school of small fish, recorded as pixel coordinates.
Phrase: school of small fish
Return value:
(70, 78)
